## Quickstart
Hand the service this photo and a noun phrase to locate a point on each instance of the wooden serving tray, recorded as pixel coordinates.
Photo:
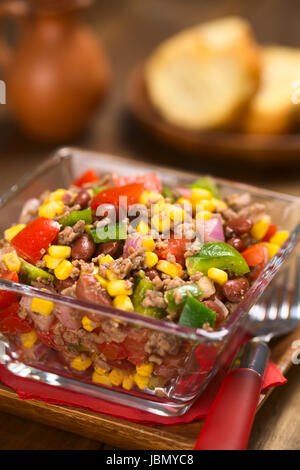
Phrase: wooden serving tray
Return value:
(216, 143)
(123, 434)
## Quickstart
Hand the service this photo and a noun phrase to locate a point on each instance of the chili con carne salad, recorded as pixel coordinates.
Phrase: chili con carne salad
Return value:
(183, 255)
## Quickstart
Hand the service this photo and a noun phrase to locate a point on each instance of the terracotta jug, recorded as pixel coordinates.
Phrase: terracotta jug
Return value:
(58, 71)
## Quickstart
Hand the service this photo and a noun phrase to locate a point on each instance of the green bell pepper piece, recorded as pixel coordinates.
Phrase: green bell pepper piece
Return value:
(75, 216)
(195, 314)
(110, 232)
(31, 273)
(206, 183)
(167, 193)
(138, 296)
(216, 255)
(186, 291)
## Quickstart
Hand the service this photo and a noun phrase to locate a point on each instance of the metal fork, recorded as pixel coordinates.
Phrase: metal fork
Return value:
(278, 310)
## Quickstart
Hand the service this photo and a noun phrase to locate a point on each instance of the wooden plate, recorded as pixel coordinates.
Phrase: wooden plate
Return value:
(264, 148)
(120, 433)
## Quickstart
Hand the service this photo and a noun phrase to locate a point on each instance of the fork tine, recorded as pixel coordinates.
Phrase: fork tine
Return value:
(284, 308)
(295, 308)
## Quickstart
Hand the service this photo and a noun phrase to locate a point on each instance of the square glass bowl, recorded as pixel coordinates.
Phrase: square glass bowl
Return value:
(203, 353)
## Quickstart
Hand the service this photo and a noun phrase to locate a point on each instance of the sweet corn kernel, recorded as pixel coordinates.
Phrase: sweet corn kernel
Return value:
(199, 194)
(41, 306)
(59, 251)
(217, 275)
(204, 205)
(151, 259)
(102, 379)
(119, 287)
(219, 204)
(51, 263)
(63, 270)
(123, 302)
(272, 249)
(57, 195)
(260, 228)
(183, 201)
(128, 382)
(106, 259)
(149, 196)
(80, 363)
(279, 237)
(51, 209)
(142, 228)
(149, 244)
(161, 224)
(203, 215)
(116, 377)
(177, 214)
(10, 233)
(111, 276)
(172, 269)
(102, 281)
(28, 339)
(141, 381)
(12, 261)
(88, 325)
(145, 369)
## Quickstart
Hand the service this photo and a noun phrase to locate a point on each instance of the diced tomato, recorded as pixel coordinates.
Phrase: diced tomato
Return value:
(254, 255)
(271, 231)
(89, 176)
(150, 181)
(112, 195)
(34, 240)
(135, 345)
(113, 351)
(122, 364)
(11, 323)
(175, 247)
(6, 297)
(47, 337)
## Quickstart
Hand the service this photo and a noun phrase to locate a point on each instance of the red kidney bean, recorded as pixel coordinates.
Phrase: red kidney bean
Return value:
(240, 225)
(88, 288)
(235, 289)
(83, 248)
(114, 249)
(237, 243)
(220, 316)
(61, 285)
(82, 199)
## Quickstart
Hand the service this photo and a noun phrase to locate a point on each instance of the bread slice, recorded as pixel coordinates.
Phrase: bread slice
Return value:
(201, 78)
(272, 109)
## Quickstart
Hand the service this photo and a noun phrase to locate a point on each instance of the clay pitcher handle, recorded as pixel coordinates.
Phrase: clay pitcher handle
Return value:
(15, 9)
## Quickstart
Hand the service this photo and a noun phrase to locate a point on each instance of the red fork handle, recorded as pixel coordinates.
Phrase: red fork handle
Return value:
(229, 422)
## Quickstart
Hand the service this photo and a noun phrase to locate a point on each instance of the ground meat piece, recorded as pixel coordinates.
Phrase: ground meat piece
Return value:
(228, 214)
(206, 326)
(162, 344)
(114, 330)
(22, 312)
(83, 266)
(69, 234)
(41, 264)
(58, 331)
(154, 298)
(177, 297)
(67, 210)
(98, 362)
(193, 249)
(121, 267)
(171, 258)
(207, 286)
(172, 283)
(157, 282)
(161, 244)
(70, 337)
(41, 322)
(138, 258)
(156, 359)
(254, 212)
(238, 201)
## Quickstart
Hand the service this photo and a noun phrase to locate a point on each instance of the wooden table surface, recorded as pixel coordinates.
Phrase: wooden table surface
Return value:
(129, 30)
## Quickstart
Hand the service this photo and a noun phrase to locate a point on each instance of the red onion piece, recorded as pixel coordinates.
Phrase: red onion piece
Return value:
(222, 306)
(68, 317)
(131, 245)
(213, 230)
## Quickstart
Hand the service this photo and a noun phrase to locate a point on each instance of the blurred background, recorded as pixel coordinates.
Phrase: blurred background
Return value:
(129, 31)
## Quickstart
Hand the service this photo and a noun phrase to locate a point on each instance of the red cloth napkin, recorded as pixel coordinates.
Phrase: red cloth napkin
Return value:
(31, 389)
